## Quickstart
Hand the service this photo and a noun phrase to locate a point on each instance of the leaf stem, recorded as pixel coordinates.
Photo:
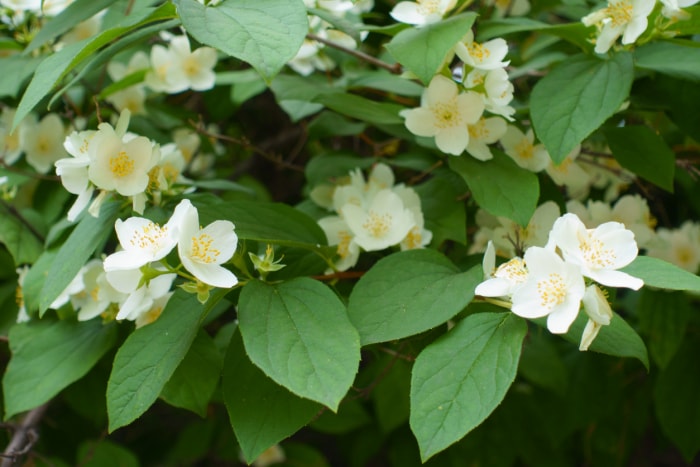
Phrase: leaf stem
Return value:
(395, 69)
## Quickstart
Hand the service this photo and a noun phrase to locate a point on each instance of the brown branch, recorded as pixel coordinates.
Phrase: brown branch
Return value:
(340, 275)
(394, 69)
(24, 438)
(18, 215)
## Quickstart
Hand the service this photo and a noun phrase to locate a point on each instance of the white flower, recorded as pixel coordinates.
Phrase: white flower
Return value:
(10, 148)
(673, 9)
(554, 288)
(383, 223)
(484, 132)
(133, 97)
(74, 171)
(203, 250)
(679, 246)
(521, 148)
(626, 18)
(495, 89)
(487, 56)
(421, 12)
(536, 233)
(118, 163)
(418, 236)
(142, 299)
(598, 252)
(84, 30)
(445, 114)
(98, 293)
(570, 174)
(338, 233)
(144, 241)
(177, 68)
(42, 142)
(504, 280)
(596, 306)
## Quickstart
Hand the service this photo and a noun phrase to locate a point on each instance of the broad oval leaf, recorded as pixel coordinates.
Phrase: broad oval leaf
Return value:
(262, 413)
(407, 293)
(645, 153)
(663, 318)
(670, 58)
(299, 334)
(576, 97)
(362, 108)
(265, 33)
(459, 379)
(48, 356)
(499, 186)
(149, 356)
(664, 275)
(424, 50)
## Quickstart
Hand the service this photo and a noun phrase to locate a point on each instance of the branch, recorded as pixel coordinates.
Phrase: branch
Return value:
(18, 215)
(24, 437)
(394, 69)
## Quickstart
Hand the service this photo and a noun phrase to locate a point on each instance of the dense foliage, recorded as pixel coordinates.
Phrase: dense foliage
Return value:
(336, 232)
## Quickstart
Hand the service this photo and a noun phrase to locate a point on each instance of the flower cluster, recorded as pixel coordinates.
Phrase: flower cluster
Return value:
(551, 280)
(372, 215)
(41, 141)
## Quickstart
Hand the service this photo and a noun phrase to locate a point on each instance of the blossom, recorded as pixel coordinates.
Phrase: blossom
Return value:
(554, 288)
(120, 162)
(510, 234)
(338, 233)
(98, 294)
(74, 171)
(421, 12)
(570, 174)
(679, 246)
(504, 280)
(132, 97)
(482, 133)
(203, 250)
(418, 236)
(672, 9)
(177, 68)
(626, 18)
(596, 306)
(445, 113)
(486, 56)
(144, 241)
(142, 299)
(521, 148)
(598, 252)
(10, 148)
(381, 224)
(42, 142)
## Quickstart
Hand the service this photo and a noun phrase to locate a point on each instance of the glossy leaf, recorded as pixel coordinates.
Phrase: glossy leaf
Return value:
(299, 334)
(576, 97)
(47, 356)
(459, 379)
(408, 293)
(659, 273)
(679, 58)
(424, 50)
(499, 186)
(262, 413)
(265, 33)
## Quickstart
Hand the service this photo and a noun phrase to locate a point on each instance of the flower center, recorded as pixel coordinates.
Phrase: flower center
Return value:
(620, 12)
(413, 239)
(596, 255)
(121, 165)
(377, 224)
(202, 250)
(514, 270)
(478, 130)
(478, 52)
(446, 115)
(191, 66)
(149, 237)
(428, 7)
(525, 149)
(552, 291)
(344, 245)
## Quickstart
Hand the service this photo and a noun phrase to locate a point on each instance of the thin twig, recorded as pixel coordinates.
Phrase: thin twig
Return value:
(340, 275)
(18, 215)
(395, 68)
(24, 438)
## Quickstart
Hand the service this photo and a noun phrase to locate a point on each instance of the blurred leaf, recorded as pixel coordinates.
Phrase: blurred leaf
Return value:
(424, 50)
(20, 237)
(195, 379)
(443, 208)
(575, 33)
(407, 293)
(262, 413)
(391, 397)
(541, 364)
(104, 452)
(677, 58)
(297, 95)
(576, 97)
(22, 68)
(385, 81)
(659, 273)
(499, 186)
(47, 356)
(459, 379)
(361, 108)
(640, 150)
(264, 33)
(663, 316)
(351, 416)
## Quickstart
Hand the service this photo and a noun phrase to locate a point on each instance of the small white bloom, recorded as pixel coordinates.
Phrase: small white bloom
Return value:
(596, 306)
(338, 233)
(42, 142)
(98, 293)
(133, 97)
(445, 114)
(142, 299)
(177, 68)
(521, 148)
(679, 246)
(570, 174)
(495, 89)
(484, 132)
(504, 280)
(421, 12)
(626, 18)
(10, 148)
(536, 233)
(487, 56)
(598, 252)
(554, 288)
(203, 250)
(418, 236)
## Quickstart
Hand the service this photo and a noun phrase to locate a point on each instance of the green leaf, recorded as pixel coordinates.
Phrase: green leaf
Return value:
(575, 33)
(645, 153)
(678, 58)
(195, 379)
(424, 50)
(57, 65)
(442, 207)
(576, 97)
(88, 235)
(459, 379)
(499, 186)
(385, 81)
(407, 293)
(659, 273)
(541, 363)
(266, 222)
(265, 33)
(361, 108)
(78, 11)
(677, 400)
(297, 95)
(663, 316)
(47, 356)
(20, 238)
(299, 334)
(105, 452)
(150, 355)
(262, 413)
(22, 68)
